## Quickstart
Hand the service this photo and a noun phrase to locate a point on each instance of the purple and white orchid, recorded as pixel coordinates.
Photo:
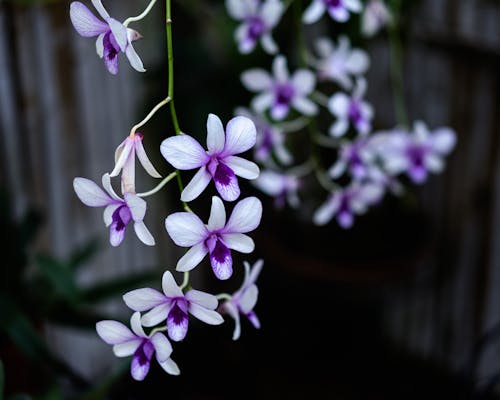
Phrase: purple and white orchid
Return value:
(136, 343)
(417, 153)
(340, 63)
(173, 306)
(376, 15)
(281, 92)
(125, 161)
(283, 187)
(258, 20)
(346, 202)
(217, 238)
(356, 157)
(112, 35)
(339, 10)
(351, 110)
(118, 212)
(243, 301)
(218, 163)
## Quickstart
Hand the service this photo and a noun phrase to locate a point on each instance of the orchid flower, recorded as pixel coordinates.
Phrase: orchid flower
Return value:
(339, 10)
(125, 161)
(135, 342)
(351, 110)
(345, 203)
(173, 305)
(218, 237)
(258, 19)
(270, 139)
(283, 187)
(357, 157)
(219, 162)
(280, 92)
(418, 153)
(112, 35)
(340, 63)
(243, 301)
(375, 16)
(118, 212)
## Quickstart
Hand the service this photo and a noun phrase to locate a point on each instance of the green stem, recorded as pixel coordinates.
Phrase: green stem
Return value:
(159, 186)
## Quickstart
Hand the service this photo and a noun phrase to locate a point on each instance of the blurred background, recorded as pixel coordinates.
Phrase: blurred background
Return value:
(405, 305)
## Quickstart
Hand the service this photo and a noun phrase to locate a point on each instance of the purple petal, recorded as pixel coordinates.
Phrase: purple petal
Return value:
(162, 346)
(197, 185)
(245, 217)
(110, 55)
(169, 286)
(226, 182)
(186, 229)
(203, 299)
(217, 218)
(254, 320)
(208, 316)
(114, 332)
(345, 219)
(141, 361)
(183, 152)
(143, 299)
(241, 135)
(241, 167)
(90, 193)
(192, 258)
(221, 261)
(279, 111)
(215, 134)
(239, 242)
(177, 324)
(86, 23)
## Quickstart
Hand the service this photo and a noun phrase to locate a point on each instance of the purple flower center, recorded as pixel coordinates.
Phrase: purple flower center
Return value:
(223, 174)
(416, 154)
(144, 353)
(176, 314)
(111, 48)
(220, 253)
(333, 3)
(121, 217)
(355, 112)
(284, 93)
(256, 27)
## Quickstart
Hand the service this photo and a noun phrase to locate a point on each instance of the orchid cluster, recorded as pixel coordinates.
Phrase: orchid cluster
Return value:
(353, 163)
(162, 317)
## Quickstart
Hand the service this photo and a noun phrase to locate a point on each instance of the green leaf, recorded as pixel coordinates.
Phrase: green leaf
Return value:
(83, 254)
(59, 276)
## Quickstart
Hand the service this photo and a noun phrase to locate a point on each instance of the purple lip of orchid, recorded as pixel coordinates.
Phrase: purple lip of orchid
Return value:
(284, 93)
(256, 27)
(218, 163)
(416, 155)
(333, 3)
(217, 238)
(112, 36)
(355, 114)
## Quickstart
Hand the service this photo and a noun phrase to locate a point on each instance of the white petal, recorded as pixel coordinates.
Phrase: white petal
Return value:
(241, 167)
(119, 32)
(135, 324)
(203, 299)
(271, 12)
(245, 217)
(126, 349)
(353, 5)
(217, 218)
(192, 258)
(185, 228)
(443, 140)
(271, 183)
(143, 299)
(156, 315)
(239, 242)
(208, 316)
(90, 194)
(262, 102)
(134, 59)
(170, 287)
(215, 134)
(339, 104)
(99, 45)
(268, 44)
(280, 69)
(136, 205)
(196, 185)
(304, 105)
(249, 299)
(144, 160)
(241, 135)
(108, 213)
(255, 271)
(170, 367)
(121, 155)
(234, 313)
(256, 80)
(358, 62)
(339, 128)
(114, 332)
(100, 9)
(144, 234)
(106, 184)
(303, 81)
(337, 169)
(325, 213)
(324, 47)
(236, 9)
(162, 346)
(434, 163)
(183, 152)
(314, 12)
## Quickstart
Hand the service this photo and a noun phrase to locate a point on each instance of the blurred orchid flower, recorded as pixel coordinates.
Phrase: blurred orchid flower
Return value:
(258, 19)
(283, 187)
(118, 212)
(112, 35)
(219, 162)
(218, 237)
(173, 305)
(280, 92)
(376, 15)
(243, 301)
(339, 10)
(356, 157)
(136, 343)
